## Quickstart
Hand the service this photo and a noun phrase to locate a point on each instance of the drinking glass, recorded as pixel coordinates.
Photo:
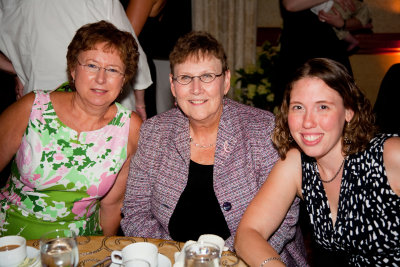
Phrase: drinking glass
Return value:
(202, 254)
(59, 248)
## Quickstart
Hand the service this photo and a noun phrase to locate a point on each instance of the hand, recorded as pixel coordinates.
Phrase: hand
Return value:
(333, 18)
(19, 88)
(141, 110)
(368, 26)
(347, 5)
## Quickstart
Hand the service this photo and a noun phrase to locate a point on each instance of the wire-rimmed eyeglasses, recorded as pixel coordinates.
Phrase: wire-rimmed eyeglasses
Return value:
(205, 78)
(93, 68)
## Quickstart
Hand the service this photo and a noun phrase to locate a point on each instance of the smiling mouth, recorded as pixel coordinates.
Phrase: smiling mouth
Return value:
(312, 138)
(99, 90)
(197, 101)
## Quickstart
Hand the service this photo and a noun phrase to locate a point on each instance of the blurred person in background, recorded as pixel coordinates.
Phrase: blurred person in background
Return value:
(34, 35)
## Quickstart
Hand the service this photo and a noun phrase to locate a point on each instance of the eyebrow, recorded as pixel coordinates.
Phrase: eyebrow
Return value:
(317, 102)
(109, 65)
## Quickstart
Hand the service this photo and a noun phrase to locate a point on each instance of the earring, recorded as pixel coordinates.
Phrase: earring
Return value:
(290, 138)
(346, 140)
(224, 100)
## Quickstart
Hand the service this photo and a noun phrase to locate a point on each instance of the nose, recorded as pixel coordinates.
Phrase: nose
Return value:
(101, 76)
(309, 120)
(196, 86)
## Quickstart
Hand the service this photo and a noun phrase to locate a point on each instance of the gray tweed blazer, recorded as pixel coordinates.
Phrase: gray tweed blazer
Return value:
(244, 156)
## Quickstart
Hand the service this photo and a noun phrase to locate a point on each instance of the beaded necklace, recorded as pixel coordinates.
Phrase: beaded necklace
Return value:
(199, 145)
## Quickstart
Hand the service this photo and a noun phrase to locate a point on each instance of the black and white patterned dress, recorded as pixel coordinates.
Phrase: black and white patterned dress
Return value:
(367, 227)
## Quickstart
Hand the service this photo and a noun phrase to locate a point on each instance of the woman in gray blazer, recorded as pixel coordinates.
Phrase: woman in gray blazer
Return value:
(199, 165)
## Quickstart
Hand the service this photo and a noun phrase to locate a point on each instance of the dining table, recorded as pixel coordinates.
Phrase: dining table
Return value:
(96, 249)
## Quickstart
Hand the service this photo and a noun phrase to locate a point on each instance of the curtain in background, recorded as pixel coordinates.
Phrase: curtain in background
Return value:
(233, 23)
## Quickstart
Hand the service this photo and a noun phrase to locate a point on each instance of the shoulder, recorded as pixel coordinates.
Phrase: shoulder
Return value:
(391, 151)
(292, 161)
(247, 111)
(21, 108)
(248, 116)
(164, 122)
(135, 122)
(123, 116)
(378, 143)
(15, 118)
(293, 157)
(391, 158)
(289, 169)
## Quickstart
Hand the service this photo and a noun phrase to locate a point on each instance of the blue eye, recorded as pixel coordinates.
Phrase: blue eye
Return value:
(111, 70)
(207, 76)
(92, 66)
(185, 79)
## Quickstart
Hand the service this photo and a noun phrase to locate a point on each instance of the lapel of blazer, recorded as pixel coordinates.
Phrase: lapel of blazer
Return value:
(226, 139)
(181, 139)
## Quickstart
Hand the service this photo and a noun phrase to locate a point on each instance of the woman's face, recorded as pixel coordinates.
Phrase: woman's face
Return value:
(200, 101)
(99, 88)
(316, 117)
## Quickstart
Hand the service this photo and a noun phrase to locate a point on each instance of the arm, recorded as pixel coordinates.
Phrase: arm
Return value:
(7, 66)
(391, 159)
(336, 20)
(111, 204)
(13, 122)
(267, 210)
(140, 105)
(139, 10)
(299, 5)
(138, 219)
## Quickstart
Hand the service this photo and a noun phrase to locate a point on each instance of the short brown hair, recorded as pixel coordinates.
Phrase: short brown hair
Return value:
(89, 35)
(198, 44)
(357, 133)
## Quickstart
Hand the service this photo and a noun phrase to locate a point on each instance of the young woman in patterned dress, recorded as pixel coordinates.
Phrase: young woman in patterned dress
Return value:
(71, 150)
(348, 176)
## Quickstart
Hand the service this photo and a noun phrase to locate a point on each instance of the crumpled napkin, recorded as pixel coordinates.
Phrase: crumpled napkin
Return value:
(180, 256)
(326, 6)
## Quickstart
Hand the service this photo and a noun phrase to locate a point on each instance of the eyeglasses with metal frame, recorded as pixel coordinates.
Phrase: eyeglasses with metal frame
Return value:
(205, 78)
(93, 68)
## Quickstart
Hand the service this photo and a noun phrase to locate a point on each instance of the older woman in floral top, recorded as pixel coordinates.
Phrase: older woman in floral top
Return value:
(72, 149)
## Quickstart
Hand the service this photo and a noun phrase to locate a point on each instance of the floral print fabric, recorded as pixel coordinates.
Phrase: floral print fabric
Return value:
(58, 176)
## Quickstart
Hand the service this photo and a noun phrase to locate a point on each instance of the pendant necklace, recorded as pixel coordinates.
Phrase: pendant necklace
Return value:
(333, 178)
(199, 145)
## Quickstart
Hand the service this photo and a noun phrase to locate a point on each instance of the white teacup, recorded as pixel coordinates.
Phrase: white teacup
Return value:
(217, 240)
(12, 250)
(136, 263)
(136, 251)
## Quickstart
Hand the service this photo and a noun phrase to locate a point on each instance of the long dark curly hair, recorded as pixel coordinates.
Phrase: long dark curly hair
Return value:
(357, 133)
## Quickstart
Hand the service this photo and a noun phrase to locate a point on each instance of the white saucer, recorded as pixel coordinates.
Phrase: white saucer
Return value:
(33, 258)
(163, 261)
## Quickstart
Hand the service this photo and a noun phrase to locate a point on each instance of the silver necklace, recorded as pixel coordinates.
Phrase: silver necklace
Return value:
(333, 178)
(199, 145)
